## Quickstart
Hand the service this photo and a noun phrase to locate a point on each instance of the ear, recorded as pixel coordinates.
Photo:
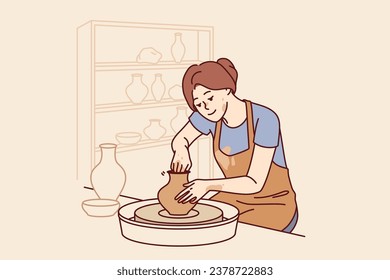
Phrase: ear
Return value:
(229, 91)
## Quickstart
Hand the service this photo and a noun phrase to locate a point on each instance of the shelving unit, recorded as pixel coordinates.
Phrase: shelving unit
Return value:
(145, 144)
(106, 58)
(124, 106)
(126, 66)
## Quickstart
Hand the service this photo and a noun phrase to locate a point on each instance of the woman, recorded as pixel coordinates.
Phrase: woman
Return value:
(247, 146)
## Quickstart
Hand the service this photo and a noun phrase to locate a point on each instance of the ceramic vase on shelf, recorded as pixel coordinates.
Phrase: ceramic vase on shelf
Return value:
(108, 178)
(158, 87)
(178, 49)
(166, 195)
(180, 119)
(137, 91)
(176, 92)
(154, 130)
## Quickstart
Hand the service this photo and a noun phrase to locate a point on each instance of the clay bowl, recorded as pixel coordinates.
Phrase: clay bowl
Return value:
(178, 235)
(128, 138)
(100, 207)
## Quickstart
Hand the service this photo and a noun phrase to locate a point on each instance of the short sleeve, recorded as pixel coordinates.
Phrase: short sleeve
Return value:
(202, 124)
(267, 128)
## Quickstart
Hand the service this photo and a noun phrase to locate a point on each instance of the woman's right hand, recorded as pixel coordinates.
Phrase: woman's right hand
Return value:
(181, 160)
(181, 143)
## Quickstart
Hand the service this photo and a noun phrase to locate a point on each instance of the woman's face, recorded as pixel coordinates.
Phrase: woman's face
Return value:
(211, 104)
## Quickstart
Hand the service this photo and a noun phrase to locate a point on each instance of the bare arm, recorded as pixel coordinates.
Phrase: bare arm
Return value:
(252, 183)
(180, 144)
(185, 137)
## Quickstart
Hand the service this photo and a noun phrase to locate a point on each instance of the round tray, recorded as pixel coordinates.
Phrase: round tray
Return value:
(156, 214)
(178, 235)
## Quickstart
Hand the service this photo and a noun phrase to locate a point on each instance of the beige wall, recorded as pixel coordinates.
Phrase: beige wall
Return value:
(323, 66)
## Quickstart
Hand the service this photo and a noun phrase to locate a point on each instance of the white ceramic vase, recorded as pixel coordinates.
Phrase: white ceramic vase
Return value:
(108, 178)
(180, 119)
(154, 130)
(158, 87)
(137, 91)
(178, 48)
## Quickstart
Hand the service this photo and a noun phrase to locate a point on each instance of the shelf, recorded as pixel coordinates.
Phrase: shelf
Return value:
(143, 144)
(147, 143)
(144, 25)
(124, 106)
(126, 66)
(107, 53)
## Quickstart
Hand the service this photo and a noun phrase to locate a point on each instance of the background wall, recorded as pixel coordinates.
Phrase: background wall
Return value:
(323, 66)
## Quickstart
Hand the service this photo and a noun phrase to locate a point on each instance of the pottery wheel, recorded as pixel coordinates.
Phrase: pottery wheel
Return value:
(156, 214)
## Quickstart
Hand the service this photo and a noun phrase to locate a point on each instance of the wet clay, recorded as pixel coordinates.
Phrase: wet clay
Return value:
(225, 161)
(166, 195)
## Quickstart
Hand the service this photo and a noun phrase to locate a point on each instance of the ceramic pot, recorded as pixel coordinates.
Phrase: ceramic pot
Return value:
(180, 119)
(178, 49)
(175, 92)
(166, 195)
(137, 91)
(154, 130)
(149, 55)
(108, 178)
(158, 87)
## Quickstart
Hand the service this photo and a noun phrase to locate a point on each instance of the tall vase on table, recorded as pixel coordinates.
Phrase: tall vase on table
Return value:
(108, 179)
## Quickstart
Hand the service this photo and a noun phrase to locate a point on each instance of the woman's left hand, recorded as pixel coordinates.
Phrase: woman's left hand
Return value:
(194, 191)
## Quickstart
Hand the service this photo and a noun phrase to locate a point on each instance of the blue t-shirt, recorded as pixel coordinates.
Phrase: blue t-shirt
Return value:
(235, 139)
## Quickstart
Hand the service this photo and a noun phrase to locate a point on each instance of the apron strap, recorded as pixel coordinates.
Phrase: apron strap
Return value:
(217, 135)
(249, 117)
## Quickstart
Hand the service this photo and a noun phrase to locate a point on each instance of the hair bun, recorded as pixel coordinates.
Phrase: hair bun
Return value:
(229, 67)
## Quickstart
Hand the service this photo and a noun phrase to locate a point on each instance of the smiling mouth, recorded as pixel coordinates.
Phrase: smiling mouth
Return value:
(212, 112)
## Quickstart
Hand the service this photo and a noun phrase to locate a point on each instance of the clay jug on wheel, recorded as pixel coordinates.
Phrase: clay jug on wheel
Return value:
(167, 194)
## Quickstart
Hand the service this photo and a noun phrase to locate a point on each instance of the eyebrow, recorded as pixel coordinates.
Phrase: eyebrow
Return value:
(203, 94)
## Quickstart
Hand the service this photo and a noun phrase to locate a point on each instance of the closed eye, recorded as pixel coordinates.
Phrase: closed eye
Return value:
(211, 98)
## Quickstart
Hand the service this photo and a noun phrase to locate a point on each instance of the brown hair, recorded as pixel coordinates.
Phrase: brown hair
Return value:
(214, 75)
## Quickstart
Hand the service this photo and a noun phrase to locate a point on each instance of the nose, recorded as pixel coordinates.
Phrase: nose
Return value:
(205, 105)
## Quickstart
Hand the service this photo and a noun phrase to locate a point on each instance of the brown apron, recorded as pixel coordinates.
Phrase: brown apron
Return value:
(275, 205)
